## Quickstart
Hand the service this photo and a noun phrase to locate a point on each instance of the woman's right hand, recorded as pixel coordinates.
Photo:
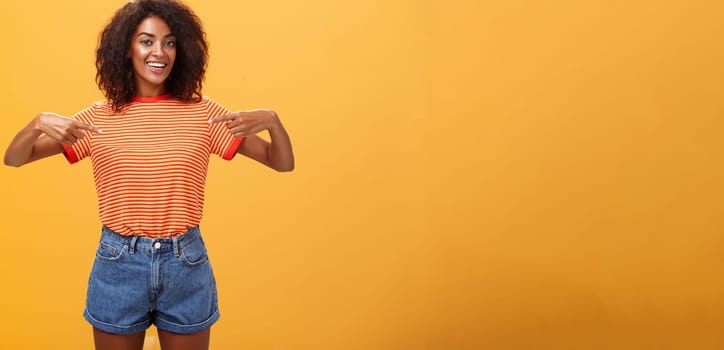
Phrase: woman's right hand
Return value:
(59, 128)
(30, 144)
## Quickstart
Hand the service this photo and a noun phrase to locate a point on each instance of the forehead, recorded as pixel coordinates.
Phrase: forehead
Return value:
(153, 25)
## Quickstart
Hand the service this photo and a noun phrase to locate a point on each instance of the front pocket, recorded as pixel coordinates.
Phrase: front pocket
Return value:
(111, 250)
(195, 253)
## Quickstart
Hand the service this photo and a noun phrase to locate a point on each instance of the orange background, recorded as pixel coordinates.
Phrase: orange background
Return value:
(470, 175)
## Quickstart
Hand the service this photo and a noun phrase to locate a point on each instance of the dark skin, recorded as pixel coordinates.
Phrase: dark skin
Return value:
(47, 132)
(108, 341)
(168, 340)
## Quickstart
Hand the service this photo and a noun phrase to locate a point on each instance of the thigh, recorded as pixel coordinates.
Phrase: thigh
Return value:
(109, 341)
(175, 341)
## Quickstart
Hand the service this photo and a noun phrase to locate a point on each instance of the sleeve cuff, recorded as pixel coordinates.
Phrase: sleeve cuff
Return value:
(233, 147)
(69, 154)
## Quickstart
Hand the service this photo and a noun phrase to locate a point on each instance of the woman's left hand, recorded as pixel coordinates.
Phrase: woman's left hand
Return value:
(245, 123)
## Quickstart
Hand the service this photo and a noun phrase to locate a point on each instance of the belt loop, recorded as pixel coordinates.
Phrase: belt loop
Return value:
(132, 248)
(175, 246)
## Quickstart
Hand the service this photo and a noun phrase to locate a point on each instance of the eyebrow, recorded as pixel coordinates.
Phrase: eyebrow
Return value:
(153, 36)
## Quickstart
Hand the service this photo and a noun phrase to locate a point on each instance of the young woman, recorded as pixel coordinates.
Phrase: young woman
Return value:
(149, 144)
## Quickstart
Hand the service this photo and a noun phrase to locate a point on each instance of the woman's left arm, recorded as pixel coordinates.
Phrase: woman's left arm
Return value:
(276, 154)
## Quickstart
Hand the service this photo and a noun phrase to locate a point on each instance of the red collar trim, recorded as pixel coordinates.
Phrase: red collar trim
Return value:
(151, 98)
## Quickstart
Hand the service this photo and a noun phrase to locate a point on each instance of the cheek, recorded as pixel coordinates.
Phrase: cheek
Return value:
(171, 56)
(136, 54)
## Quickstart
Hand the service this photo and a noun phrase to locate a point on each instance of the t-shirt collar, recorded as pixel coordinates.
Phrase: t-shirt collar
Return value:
(151, 98)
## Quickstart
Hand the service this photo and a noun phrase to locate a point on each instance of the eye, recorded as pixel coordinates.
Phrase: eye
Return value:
(170, 43)
(145, 42)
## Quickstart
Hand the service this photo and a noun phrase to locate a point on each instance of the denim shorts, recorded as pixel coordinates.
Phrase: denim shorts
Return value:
(139, 281)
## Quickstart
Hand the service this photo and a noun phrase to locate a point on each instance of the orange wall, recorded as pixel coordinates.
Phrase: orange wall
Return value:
(470, 175)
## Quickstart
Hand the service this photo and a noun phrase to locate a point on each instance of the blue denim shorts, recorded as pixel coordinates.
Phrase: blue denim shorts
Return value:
(139, 281)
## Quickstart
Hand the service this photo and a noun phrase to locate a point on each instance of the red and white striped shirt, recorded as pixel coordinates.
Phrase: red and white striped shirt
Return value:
(150, 162)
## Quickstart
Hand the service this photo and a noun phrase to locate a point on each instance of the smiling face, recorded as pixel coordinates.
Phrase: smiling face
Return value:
(152, 52)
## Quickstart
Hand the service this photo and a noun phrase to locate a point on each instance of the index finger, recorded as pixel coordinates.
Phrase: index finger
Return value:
(88, 127)
(225, 117)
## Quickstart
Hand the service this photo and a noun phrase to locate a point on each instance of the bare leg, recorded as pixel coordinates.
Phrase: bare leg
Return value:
(175, 341)
(108, 341)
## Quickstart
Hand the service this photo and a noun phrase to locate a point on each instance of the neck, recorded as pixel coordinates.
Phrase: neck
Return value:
(150, 92)
(145, 89)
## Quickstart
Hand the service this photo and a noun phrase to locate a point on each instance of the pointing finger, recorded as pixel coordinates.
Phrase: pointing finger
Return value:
(88, 127)
(225, 117)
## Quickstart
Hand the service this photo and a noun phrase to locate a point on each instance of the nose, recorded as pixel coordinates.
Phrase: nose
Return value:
(158, 49)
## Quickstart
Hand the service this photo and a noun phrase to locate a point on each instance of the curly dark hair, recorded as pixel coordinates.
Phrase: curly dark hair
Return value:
(114, 68)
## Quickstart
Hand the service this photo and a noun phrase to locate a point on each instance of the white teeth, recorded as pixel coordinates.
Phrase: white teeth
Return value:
(156, 64)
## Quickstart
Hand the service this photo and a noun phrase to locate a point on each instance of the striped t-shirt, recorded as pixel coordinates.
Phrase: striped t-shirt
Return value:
(150, 162)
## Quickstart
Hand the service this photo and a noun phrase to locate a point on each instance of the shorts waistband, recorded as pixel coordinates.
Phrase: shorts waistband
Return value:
(154, 245)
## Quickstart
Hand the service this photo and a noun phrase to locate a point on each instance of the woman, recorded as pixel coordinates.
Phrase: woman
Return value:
(149, 144)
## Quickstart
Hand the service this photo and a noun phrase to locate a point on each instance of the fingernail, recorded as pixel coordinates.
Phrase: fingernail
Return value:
(210, 120)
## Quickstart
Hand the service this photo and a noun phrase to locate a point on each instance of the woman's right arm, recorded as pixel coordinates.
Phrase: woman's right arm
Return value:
(44, 137)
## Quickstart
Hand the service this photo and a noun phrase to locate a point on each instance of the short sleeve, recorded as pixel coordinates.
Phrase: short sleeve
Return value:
(223, 143)
(82, 148)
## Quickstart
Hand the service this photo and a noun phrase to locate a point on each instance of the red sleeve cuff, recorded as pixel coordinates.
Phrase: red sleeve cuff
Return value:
(69, 154)
(231, 151)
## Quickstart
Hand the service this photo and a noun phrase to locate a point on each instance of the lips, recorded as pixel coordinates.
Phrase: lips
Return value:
(156, 67)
